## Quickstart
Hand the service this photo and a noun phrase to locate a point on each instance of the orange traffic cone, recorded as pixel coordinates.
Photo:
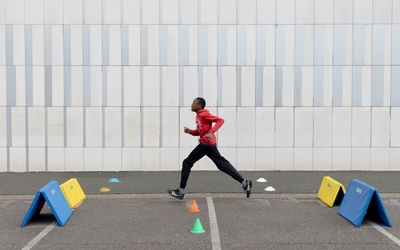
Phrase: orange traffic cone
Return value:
(193, 207)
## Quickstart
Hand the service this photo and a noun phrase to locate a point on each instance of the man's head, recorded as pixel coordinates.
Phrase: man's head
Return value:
(198, 104)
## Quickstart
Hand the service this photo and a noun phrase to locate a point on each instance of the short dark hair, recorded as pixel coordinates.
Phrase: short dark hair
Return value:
(201, 101)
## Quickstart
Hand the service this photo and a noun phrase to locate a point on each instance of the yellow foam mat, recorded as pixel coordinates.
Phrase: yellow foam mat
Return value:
(73, 192)
(330, 190)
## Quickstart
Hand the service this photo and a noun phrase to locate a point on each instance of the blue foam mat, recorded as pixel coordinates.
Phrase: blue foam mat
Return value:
(52, 194)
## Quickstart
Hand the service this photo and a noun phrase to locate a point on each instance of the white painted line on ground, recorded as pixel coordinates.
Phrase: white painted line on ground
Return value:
(35, 240)
(215, 241)
(384, 232)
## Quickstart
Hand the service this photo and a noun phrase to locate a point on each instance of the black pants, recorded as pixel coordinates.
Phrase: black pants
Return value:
(213, 153)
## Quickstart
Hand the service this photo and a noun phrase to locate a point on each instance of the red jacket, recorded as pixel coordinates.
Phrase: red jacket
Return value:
(204, 122)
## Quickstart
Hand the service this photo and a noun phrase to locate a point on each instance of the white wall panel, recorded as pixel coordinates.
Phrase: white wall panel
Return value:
(366, 86)
(248, 86)
(2, 48)
(380, 159)
(17, 159)
(170, 130)
(132, 127)
(265, 126)
(303, 159)
(169, 11)
(284, 158)
(322, 127)
(382, 11)
(18, 123)
(92, 159)
(322, 159)
(227, 134)
(396, 9)
(395, 127)
(341, 159)
(57, 86)
(131, 159)
(205, 164)
(347, 86)
(2, 11)
(36, 125)
(3, 127)
(96, 45)
(363, 11)
(73, 11)
(361, 127)
(285, 11)
(265, 159)
(151, 86)
(150, 159)
(270, 31)
(3, 159)
(37, 159)
(115, 44)
(112, 127)
(112, 160)
(229, 86)
(380, 127)
(172, 45)
(190, 79)
(212, 45)
(114, 86)
(230, 154)
(269, 86)
(246, 10)
(150, 11)
(307, 86)
(96, 86)
(34, 12)
(246, 159)
(55, 127)
(288, 86)
(193, 45)
(266, 12)
(246, 132)
(208, 11)
(134, 45)
(305, 12)
(328, 44)
(76, 86)
(73, 159)
(74, 122)
(231, 45)
(324, 12)
(341, 127)
(92, 11)
(189, 11)
(227, 12)
(20, 86)
(53, 11)
(327, 91)
(131, 86)
(94, 127)
(394, 159)
(170, 86)
(38, 45)
(57, 43)
(210, 85)
(361, 159)
(343, 12)
(284, 127)
(19, 44)
(76, 45)
(3, 84)
(151, 123)
(14, 11)
(169, 159)
(56, 159)
(303, 127)
(132, 12)
(112, 12)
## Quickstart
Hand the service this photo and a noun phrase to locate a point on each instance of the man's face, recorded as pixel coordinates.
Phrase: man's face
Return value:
(195, 106)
